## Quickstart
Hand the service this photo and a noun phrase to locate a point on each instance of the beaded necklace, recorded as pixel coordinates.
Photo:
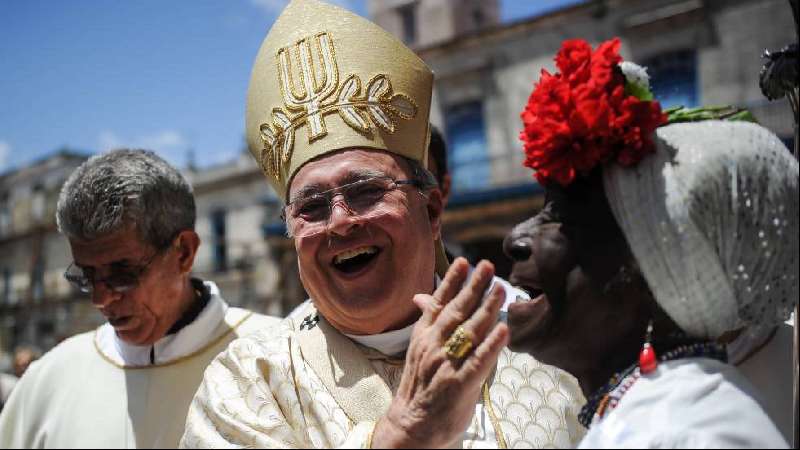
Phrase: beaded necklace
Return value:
(608, 397)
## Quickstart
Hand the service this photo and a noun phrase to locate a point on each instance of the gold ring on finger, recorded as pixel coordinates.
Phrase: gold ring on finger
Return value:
(458, 344)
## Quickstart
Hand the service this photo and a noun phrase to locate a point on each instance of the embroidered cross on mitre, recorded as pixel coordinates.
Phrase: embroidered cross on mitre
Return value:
(307, 102)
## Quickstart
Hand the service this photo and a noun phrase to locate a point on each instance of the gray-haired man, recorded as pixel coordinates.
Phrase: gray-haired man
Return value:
(129, 217)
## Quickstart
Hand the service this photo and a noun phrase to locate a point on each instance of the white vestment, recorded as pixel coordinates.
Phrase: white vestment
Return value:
(770, 371)
(7, 383)
(304, 384)
(95, 391)
(687, 403)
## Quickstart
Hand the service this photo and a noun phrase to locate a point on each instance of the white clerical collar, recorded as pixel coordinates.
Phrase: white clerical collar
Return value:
(189, 339)
(391, 343)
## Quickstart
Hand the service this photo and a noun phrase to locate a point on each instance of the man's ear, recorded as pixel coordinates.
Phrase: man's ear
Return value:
(435, 209)
(187, 244)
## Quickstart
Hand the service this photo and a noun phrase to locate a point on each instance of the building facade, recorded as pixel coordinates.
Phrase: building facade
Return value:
(244, 247)
(698, 52)
(37, 305)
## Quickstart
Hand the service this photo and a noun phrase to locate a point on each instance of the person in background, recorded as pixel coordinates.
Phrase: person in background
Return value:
(23, 357)
(437, 163)
(439, 167)
(129, 218)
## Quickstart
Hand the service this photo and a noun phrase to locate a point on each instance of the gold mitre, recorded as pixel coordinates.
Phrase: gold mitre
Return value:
(325, 80)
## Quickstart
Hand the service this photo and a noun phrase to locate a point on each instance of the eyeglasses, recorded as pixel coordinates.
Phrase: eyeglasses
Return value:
(119, 282)
(359, 197)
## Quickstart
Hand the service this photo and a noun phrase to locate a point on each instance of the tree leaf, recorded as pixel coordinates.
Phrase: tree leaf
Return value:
(378, 87)
(348, 95)
(269, 161)
(268, 151)
(402, 106)
(724, 112)
(288, 145)
(355, 118)
(350, 89)
(267, 135)
(265, 158)
(281, 119)
(380, 117)
(641, 92)
(285, 135)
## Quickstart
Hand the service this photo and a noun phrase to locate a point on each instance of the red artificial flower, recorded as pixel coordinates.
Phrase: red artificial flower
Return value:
(581, 117)
(573, 59)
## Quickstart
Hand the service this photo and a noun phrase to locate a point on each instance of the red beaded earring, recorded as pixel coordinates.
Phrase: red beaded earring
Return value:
(647, 357)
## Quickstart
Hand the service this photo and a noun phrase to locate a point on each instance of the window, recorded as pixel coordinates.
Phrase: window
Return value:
(470, 165)
(673, 78)
(5, 293)
(37, 280)
(5, 215)
(38, 204)
(409, 21)
(478, 17)
(219, 241)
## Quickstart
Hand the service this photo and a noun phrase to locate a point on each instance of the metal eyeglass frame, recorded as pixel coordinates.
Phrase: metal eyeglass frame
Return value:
(330, 194)
(86, 284)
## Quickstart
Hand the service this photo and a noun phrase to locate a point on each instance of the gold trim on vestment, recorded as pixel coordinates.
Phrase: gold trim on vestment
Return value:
(370, 436)
(345, 371)
(487, 403)
(174, 361)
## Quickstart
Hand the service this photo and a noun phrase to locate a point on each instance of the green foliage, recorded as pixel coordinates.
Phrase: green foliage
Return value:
(638, 91)
(681, 114)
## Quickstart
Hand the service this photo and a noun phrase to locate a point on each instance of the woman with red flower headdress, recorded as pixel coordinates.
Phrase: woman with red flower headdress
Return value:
(658, 244)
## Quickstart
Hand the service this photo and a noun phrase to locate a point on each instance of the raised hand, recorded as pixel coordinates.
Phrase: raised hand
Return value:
(436, 399)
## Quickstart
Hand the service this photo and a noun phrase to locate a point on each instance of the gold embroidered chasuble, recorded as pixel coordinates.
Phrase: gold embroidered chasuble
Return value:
(77, 397)
(304, 384)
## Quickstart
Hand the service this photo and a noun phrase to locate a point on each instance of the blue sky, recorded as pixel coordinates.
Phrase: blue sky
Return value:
(170, 76)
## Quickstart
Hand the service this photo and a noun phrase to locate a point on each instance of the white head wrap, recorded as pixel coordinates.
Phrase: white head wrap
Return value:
(712, 220)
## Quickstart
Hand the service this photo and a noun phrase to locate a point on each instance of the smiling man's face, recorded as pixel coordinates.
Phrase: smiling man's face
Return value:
(363, 267)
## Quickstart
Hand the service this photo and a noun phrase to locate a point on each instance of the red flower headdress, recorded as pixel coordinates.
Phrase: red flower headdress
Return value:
(584, 116)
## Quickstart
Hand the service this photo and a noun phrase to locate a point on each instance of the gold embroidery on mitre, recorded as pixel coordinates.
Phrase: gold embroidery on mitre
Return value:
(308, 101)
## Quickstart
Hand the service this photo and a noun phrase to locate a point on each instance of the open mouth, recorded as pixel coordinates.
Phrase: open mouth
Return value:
(119, 321)
(353, 261)
(528, 317)
(533, 293)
